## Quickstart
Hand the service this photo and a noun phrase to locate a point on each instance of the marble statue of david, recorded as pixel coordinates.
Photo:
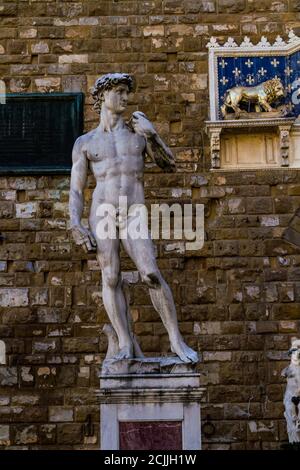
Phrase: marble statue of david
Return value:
(115, 153)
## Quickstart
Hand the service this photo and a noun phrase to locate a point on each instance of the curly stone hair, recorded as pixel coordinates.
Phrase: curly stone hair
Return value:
(107, 82)
(271, 88)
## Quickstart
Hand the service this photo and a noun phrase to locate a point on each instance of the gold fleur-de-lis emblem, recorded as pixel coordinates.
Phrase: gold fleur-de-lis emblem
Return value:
(275, 62)
(236, 72)
(250, 79)
(288, 88)
(223, 63)
(224, 80)
(262, 71)
(249, 63)
(288, 71)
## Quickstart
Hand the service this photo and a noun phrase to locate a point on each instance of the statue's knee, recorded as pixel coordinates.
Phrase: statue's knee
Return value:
(152, 279)
(110, 278)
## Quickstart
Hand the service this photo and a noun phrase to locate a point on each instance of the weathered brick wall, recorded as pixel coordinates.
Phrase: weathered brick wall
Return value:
(237, 299)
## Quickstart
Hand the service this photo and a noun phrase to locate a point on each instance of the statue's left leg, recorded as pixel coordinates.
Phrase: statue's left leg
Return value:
(142, 254)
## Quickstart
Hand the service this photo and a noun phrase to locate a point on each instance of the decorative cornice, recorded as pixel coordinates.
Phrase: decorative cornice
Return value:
(151, 395)
(271, 122)
(246, 42)
(230, 43)
(263, 43)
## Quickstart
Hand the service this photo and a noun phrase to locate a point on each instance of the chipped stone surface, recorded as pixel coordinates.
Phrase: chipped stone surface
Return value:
(47, 85)
(26, 210)
(40, 48)
(28, 33)
(269, 221)
(27, 435)
(59, 414)
(8, 376)
(14, 297)
(26, 375)
(4, 435)
(73, 59)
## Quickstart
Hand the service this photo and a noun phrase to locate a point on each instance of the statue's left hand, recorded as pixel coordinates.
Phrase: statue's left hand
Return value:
(83, 237)
(141, 125)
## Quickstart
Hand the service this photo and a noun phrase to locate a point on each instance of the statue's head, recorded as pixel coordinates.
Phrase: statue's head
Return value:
(294, 351)
(113, 89)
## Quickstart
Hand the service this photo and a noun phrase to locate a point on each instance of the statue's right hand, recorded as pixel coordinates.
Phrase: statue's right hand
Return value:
(83, 237)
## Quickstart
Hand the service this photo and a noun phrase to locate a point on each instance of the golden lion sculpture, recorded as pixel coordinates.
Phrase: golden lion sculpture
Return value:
(260, 95)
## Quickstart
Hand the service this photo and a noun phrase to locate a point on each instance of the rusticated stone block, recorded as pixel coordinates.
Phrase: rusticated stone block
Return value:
(294, 5)
(27, 33)
(66, 375)
(13, 297)
(67, 433)
(226, 248)
(46, 32)
(4, 435)
(286, 311)
(262, 205)
(59, 414)
(46, 377)
(19, 85)
(8, 9)
(231, 6)
(173, 7)
(266, 430)
(26, 434)
(47, 434)
(8, 33)
(86, 345)
(8, 376)
(45, 346)
(205, 6)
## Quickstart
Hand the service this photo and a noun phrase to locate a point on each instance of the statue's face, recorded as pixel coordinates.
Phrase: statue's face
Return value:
(116, 99)
(295, 352)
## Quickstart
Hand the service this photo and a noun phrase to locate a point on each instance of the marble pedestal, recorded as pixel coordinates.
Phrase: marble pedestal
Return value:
(150, 404)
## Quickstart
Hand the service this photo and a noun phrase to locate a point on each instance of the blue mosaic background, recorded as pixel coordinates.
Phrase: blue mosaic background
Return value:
(251, 71)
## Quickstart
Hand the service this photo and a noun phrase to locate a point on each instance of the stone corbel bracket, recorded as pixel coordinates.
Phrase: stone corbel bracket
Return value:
(214, 134)
(216, 128)
(231, 48)
(284, 139)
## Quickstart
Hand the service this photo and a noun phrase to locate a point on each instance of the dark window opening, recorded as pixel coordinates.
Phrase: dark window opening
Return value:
(37, 132)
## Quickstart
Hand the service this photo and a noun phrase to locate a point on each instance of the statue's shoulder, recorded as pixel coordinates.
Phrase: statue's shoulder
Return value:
(289, 372)
(83, 140)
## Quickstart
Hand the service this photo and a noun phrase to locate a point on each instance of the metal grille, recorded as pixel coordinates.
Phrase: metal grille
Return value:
(38, 130)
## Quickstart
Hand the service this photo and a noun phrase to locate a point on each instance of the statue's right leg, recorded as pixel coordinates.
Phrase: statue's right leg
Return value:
(112, 294)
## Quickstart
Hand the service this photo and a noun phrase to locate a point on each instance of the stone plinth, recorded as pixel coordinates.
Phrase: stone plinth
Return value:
(150, 404)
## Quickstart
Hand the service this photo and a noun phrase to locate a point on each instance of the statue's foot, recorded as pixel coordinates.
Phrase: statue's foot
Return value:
(125, 353)
(182, 350)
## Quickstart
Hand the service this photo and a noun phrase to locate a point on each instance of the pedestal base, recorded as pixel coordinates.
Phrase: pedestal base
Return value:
(150, 404)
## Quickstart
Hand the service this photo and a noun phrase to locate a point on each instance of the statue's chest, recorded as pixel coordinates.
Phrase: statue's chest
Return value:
(115, 146)
(294, 380)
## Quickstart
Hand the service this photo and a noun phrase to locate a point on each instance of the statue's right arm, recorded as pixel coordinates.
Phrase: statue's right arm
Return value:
(78, 181)
(81, 235)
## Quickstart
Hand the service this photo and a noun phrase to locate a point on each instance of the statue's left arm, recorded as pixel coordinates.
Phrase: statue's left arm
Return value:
(155, 146)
